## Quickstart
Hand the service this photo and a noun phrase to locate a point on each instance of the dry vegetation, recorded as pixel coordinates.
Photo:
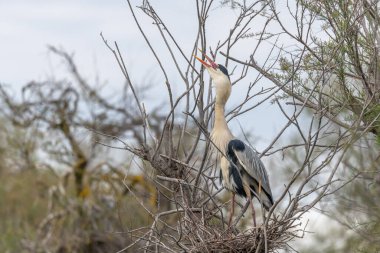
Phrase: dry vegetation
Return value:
(165, 195)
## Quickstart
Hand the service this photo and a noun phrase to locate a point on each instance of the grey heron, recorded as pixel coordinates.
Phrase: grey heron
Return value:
(242, 171)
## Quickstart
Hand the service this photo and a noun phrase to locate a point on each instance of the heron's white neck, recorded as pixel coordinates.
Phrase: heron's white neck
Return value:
(221, 134)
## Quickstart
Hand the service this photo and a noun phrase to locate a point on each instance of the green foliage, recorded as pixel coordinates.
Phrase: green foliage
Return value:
(23, 205)
(285, 65)
(372, 117)
(101, 226)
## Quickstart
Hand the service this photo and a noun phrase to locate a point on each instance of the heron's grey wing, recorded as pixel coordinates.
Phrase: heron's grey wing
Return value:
(250, 161)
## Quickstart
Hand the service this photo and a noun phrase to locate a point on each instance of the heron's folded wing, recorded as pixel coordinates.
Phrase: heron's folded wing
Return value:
(252, 164)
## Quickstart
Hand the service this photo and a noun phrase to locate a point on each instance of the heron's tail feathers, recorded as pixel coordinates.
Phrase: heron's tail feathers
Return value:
(264, 198)
(267, 203)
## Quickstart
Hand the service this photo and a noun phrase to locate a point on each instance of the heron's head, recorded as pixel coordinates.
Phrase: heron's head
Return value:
(219, 76)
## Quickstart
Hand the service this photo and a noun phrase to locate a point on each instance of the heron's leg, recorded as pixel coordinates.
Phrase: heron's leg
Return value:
(249, 195)
(232, 209)
(260, 188)
(253, 211)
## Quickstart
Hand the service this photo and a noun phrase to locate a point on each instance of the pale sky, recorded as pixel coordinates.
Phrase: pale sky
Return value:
(27, 27)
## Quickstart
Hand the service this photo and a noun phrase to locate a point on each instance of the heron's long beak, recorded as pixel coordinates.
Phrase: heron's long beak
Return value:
(211, 63)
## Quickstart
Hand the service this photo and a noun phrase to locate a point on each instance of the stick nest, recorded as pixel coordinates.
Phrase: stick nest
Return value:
(251, 240)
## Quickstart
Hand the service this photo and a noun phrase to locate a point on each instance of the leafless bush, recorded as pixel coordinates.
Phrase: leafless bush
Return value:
(327, 98)
(300, 78)
(63, 118)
